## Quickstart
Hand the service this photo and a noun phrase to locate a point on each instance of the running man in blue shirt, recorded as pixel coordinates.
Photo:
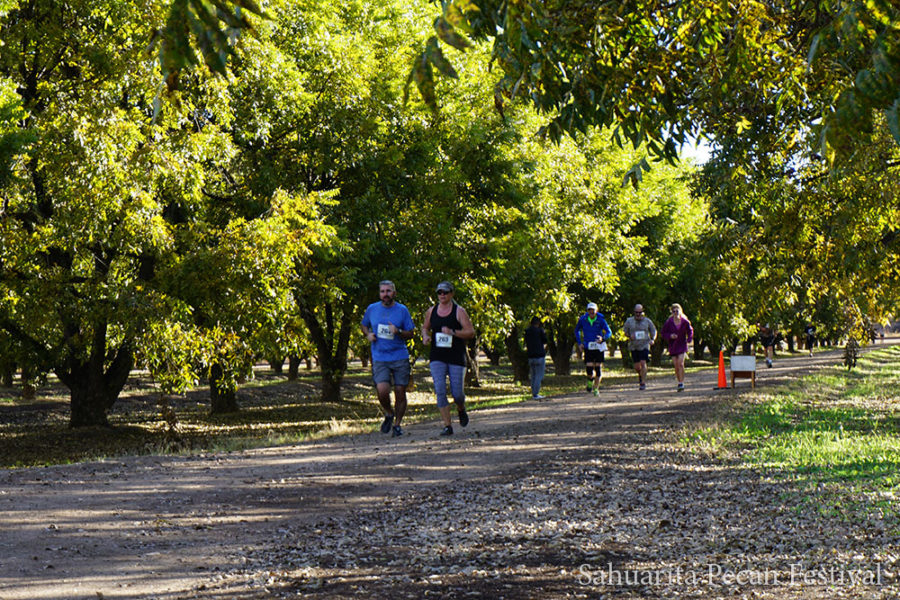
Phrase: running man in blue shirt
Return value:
(387, 325)
(591, 333)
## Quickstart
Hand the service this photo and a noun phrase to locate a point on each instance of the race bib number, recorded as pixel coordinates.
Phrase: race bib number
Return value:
(442, 340)
(593, 345)
(640, 335)
(384, 331)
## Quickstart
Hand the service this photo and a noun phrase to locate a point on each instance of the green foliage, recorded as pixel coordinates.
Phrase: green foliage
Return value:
(865, 35)
(805, 244)
(660, 73)
(117, 226)
(13, 140)
(208, 26)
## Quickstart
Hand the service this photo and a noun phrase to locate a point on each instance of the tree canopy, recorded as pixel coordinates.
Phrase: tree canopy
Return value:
(662, 73)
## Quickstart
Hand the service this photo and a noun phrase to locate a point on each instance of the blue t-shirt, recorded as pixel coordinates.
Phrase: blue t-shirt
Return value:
(588, 331)
(388, 347)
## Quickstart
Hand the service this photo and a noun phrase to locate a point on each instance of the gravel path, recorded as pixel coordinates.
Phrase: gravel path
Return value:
(572, 497)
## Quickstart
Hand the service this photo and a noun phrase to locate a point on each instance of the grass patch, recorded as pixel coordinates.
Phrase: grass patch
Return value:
(833, 434)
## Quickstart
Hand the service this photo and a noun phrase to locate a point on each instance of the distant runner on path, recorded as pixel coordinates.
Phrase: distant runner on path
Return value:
(641, 334)
(449, 326)
(677, 332)
(810, 332)
(591, 333)
(387, 325)
(767, 339)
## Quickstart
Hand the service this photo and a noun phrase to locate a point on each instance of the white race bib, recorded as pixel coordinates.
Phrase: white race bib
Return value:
(384, 331)
(640, 335)
(442, 340)
(593, 346)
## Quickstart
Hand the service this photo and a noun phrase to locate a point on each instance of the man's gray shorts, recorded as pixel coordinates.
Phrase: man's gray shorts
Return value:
(395, 372)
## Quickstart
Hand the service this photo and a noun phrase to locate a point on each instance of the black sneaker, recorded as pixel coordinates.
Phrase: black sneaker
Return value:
(463, 418)
(386, 424)
(447, 430)
(397, 431)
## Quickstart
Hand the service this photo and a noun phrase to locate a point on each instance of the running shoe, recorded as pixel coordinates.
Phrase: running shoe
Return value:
(386, 424)
(680, 387)
(397, 431)
(463, 418)
(447, 430)
(642, 386)
(597, 393)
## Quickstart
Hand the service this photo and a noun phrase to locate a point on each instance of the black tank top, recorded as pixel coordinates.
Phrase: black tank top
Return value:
(456, 353)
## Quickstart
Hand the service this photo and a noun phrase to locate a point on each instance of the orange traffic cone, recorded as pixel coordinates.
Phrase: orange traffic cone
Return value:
(723, 382)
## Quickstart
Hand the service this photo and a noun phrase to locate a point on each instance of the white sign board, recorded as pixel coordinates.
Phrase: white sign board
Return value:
(743, 363)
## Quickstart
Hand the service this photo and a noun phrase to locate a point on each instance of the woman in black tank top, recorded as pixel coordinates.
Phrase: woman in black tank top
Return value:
(447, 347)
(446, 327)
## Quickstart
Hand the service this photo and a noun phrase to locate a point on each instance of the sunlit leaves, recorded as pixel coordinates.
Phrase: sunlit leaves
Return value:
(13, 139)
(635, 174)
(660, 72)
(862, 38)
(209, 26)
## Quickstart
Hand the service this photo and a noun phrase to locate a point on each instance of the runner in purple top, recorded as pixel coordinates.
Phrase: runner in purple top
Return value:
(678, 333)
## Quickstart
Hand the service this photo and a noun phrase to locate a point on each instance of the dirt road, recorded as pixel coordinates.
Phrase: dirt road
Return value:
(539, 499)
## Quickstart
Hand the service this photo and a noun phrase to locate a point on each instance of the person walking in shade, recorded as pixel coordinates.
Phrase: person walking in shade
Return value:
(448, 326)
(591, 333)
(387, 325)
(677, 332)
(641, 334)
(536, 348)
(810, 332)
(767, 339)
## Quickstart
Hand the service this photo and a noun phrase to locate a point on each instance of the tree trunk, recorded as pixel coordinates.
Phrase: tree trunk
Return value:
(277, 365)
(698, 348)
(656, 353)
(94, 392)
(29, 391)
(223, 398)
(331, 384)
(493, 355)
(8, 375)
(626, 356)
(332, 344)
(293, 367)
(93, 387)
(518, 358)
(89, 407)
(473, 374)
(365, 354)
(560, 340)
